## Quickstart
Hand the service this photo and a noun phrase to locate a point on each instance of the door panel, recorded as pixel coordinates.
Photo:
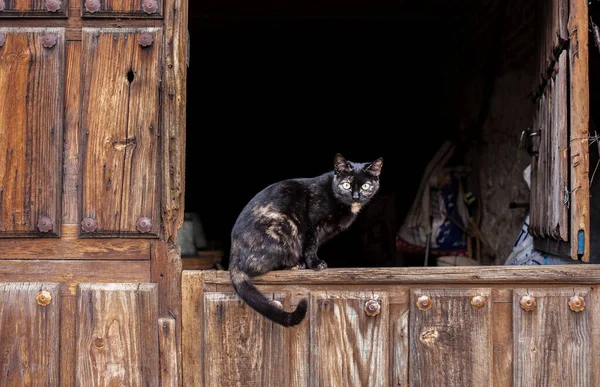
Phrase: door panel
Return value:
(121, 8)
(33, 8)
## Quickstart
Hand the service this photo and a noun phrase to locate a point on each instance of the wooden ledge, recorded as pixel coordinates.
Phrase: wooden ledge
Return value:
(572, 274)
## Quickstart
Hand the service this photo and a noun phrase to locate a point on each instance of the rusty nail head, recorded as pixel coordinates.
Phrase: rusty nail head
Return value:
(478, 302)
(49, 40)
(2, 39)
(2, 5)
(145, 39)
(150, 6)
(92, 5)
(143, 224)
(577, 303)
(45, 224)
(372, 308)
(53, 5)
(528, 303)
(89, 224)
(424, 303)
(43, 297)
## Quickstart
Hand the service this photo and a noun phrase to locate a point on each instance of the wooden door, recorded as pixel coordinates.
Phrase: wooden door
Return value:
(560, 205)
(92, 132)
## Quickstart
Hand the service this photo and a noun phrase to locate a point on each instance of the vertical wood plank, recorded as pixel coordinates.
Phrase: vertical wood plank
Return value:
(31, 127)
(299, 352)
(168, 358)
(450, 343)
(121, 83)
(192, 313)
(348, 347)
(562, 144)
(68, 317)
(241, 345)
(29, 335)
(399, 312)
(579, 121)
(594, 297)
(502, 338)
(72, 159)
(552, 344)
(117, 335)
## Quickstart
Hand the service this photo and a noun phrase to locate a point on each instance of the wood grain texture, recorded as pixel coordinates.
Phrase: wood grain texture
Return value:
(192, 312)
(70, 246)
(299, 345)
(117, 335)
(31, 127)
(29, 335)
(71, 158)
(348, 347)
(425, 275)
(594, 299)
(579, 122)
(240, 345)
(552, 344)
(450, 344)
(561, 149)
(168, 358)
(68, 320)
(121, 9)
(32, 8)
(174, 117)
(70, 273)
(120, 130)
(399, 313)
(502, 338)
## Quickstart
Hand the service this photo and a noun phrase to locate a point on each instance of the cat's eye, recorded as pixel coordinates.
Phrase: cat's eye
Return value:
(366, 186)
(346, 185)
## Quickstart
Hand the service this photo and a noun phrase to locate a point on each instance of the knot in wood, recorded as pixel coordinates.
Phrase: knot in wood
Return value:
(577, 303)
(92, 5)
(478, 302)
(143, 224)
(45, 224)
(89, 224)
(424, 303)
(43, 297)
(150, 6)
(2, 38)
(528, 303)
(372, 308)
(53, 5)
(99, 342)
(48, 40)
(145, 39)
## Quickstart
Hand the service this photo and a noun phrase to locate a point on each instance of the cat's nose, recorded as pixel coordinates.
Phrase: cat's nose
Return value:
(355, 195)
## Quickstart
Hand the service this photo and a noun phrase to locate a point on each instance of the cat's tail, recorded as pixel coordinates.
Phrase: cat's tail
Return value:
(254, 298)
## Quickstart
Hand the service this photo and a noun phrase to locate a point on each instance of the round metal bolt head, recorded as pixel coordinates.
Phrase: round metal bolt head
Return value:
(143, 224)
(478, 302)
(150, 6)
(145, 39)
(43, 297)
(45, 224)
(49, 40)
(528, 303)
(2, 39)
(372, 308)
(92, 5)
(577, 303)
(53, 5)
(89, 224)
(424, 303)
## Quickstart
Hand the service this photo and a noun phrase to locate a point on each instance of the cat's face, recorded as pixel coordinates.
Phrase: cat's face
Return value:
(355, 183)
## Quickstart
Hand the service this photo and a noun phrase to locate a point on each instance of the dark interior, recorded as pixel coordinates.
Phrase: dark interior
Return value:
(275, 89)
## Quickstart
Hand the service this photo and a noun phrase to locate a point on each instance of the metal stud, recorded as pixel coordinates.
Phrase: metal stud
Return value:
(577, 303)
(45, 224)
(53, 5)
(528, 303)
(89, 224)
(478, 302)
(92, 5)
(43, 297)
(145, 39)
(143, 224)
(372, 308)
(49, 40)
(424, 303)
(150, 6)
(2, 5)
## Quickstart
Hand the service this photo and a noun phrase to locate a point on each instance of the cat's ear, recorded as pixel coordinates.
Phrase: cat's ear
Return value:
(374, 168)
(340, 165)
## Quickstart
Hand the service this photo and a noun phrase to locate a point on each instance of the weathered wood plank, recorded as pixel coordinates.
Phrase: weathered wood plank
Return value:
(451, 342)
(425, 275)
(32, 8)
(399, 313)
(120, 130)
(552, 344)
(168, 358)
(29, 340)
(502, 338)
(562, 144)
(348, 347)
(299, 346)
(68, 319)
(124, 9)
(579, 121)
(70, 246)
(240, 345)
(117, 335)
(31, 127)
(192, 312)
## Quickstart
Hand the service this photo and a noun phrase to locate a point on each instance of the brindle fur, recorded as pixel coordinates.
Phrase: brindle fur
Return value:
(283, 226)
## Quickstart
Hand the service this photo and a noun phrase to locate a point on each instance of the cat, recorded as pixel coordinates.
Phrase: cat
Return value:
(284, 224)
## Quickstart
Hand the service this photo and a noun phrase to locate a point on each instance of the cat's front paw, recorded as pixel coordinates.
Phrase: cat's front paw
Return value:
(320, 265)
(300, 266)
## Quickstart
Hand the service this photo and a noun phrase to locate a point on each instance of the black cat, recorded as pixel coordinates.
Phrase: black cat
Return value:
(284, 224)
